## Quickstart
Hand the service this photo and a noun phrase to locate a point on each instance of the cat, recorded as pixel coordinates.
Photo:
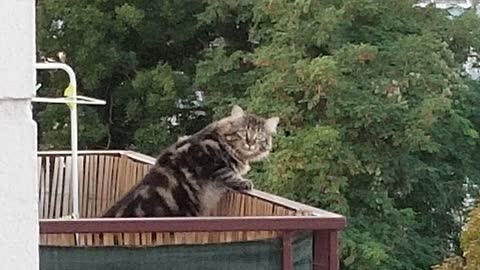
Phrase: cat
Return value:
(190, 177)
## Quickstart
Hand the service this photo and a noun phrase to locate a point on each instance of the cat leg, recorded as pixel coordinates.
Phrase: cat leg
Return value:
(232, 180)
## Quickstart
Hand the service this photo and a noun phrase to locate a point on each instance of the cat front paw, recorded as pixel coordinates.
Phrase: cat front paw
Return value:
(240, 185)
(246, 185)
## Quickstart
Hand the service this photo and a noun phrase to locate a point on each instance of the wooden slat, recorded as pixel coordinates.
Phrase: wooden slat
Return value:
(177, 238)
(130, 176)
(81, 186)
(146, 239)
(93, 190)
(87, 240)
(97, 239)
(122, 177)
(241, 208)
(42, 193)
(93, 197)
(114, 182)
(53, 190)
(39, 183)
(110, 183)
(99, 183)
(88, 187)
(107, 172)
(46, 198)
(42, 189)
(117, 177)
(91, 187)
(146, 167)
(136, 239)
(58, 194)
(159, 238)
(82, 239)
(128, 239)
(108, 239)
(60, 187)
(67, 192)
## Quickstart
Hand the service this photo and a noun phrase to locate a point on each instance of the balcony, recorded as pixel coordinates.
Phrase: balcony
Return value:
(250, 229)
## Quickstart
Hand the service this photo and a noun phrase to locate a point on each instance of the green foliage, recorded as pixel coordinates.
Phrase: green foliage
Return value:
(302, 168)
(120, 51)
(150, 107)
(378, 120)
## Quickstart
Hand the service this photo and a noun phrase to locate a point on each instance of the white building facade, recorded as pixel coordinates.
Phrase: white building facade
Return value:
(18, 133)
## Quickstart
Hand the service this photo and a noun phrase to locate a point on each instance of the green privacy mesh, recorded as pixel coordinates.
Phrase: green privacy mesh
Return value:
(252, 255)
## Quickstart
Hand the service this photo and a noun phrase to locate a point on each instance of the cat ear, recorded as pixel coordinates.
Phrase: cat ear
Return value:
(271, 124)
(237, 111)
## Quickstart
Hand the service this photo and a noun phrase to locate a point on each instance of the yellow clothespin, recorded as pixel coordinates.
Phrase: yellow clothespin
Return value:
(69, 94)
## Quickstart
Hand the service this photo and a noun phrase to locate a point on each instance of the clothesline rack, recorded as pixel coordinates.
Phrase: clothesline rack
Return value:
(71, 99)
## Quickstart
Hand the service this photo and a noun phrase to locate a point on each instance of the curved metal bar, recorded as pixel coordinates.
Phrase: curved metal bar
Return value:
(72, 100)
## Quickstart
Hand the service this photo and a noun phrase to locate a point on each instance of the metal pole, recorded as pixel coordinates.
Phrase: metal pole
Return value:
(74, 142)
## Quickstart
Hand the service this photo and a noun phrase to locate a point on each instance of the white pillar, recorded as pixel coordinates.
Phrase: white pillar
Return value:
(18, 133)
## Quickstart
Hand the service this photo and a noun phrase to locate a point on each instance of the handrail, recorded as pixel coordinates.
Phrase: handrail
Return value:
(325, 231)
(191, 224)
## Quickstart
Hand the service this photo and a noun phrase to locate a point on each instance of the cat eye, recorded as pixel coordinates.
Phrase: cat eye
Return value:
(261, 137)
(242, 133)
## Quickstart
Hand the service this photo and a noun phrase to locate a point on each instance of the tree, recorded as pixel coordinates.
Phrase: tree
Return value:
(375, 116)
(470, 243)
(378, 121)
(137, 55)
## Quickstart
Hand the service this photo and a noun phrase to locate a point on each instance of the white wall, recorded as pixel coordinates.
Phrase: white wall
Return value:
(18, 186)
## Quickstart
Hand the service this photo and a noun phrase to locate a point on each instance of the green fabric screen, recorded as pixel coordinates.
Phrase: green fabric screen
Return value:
(252, 255)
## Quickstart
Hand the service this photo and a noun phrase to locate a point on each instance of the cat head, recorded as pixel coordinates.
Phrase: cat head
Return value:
(249, 136)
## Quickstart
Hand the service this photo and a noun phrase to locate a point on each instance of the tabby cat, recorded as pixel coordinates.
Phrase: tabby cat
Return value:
(190, 177)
